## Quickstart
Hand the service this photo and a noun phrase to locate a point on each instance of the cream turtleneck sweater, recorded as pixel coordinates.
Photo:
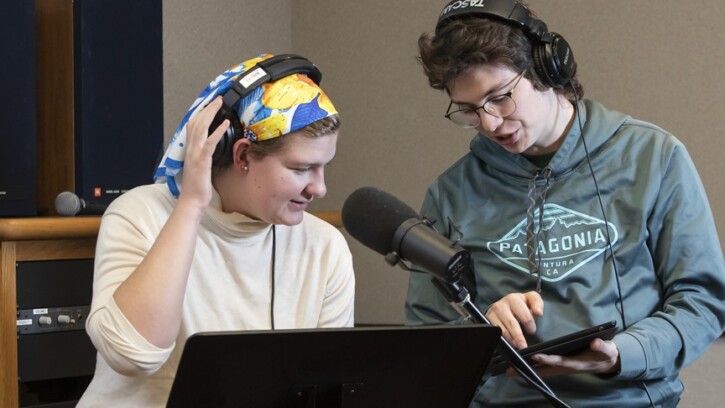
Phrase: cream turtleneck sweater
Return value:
(229, 288)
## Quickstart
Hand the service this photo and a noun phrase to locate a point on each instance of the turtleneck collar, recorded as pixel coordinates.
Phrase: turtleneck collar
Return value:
(234, 224)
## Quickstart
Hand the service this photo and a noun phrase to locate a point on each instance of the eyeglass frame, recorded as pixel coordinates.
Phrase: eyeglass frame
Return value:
(508, 94)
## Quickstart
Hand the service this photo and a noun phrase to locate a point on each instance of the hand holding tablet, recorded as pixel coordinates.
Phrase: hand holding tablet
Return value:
(567, 344)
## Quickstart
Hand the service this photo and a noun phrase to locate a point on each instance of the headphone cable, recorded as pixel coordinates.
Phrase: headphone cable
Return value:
(606, 225)
(601, 206)
(272, 277)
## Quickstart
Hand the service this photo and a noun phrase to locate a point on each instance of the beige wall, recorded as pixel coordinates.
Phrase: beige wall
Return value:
(203, 38)
(659, 60)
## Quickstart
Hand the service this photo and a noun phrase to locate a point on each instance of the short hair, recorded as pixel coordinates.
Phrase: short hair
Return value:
(464, 44)
(259, 150)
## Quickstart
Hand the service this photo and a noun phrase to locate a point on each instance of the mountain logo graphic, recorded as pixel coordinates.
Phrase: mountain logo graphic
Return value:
(568, 240)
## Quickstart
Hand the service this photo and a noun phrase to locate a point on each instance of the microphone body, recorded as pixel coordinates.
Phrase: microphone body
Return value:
(388, 226)
(69, 204)
(416, 241)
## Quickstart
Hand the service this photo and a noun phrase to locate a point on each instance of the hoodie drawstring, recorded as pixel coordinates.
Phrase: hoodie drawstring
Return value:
(533, 231)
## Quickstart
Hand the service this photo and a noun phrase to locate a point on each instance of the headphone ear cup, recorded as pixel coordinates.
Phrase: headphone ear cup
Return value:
(554, 61)
(539, 64)
(222, 155)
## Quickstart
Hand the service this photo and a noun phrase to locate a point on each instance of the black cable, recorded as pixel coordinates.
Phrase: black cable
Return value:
(601, 205)
(606, 226)
(274, 253)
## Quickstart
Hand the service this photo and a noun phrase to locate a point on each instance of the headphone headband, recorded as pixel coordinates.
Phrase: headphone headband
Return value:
(507, 11)
(553, 59)
(270, 70)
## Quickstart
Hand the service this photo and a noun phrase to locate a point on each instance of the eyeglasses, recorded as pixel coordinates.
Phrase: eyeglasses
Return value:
(499, 106)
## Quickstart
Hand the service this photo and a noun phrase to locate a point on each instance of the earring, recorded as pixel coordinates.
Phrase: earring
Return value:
(245, 168)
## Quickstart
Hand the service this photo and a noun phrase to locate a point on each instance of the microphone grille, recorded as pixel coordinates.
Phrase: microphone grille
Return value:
(67, 203)
(372, 216)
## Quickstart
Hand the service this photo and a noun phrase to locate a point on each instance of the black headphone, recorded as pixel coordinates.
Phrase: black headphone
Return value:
(269, 70)
(553, 59)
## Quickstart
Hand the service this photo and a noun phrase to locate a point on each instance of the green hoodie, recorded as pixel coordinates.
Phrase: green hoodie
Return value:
(668, 273)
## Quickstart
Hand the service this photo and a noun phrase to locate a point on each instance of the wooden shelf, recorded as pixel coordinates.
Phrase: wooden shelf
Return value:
(45, 228)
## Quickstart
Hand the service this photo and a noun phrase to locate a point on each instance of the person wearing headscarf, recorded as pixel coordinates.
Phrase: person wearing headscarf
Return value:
(219, 242)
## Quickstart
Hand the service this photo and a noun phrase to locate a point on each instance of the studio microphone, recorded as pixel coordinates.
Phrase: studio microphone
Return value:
(390, 227)
(68, 204)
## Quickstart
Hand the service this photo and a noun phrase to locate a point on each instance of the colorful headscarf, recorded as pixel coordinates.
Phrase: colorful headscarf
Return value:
(272, 110)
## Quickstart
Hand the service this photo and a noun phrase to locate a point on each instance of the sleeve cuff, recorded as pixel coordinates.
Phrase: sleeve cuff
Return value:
(124, 349)
(632, 359)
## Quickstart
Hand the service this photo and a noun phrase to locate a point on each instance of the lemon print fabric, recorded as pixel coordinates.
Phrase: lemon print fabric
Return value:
(269, 111)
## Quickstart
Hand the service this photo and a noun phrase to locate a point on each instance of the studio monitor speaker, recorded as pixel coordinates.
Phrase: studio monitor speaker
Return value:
(17, 109)
(118, 95)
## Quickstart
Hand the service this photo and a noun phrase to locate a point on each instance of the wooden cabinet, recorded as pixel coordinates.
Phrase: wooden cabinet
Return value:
(33, 239)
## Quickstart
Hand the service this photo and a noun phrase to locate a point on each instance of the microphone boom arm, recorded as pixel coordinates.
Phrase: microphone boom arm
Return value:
(460, 299)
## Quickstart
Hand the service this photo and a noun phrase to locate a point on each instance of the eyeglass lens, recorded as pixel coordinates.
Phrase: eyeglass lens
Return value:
(498, 106)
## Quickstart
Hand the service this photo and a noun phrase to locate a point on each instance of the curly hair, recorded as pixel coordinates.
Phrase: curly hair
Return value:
(464, 44)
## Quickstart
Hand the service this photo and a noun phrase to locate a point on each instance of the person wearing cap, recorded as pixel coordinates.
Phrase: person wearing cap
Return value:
(574, 215)
(221, 242)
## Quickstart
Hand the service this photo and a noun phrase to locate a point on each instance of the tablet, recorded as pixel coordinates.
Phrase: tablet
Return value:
(568, 344)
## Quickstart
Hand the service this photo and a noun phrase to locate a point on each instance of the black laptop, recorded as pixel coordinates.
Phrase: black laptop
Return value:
(421, 366)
